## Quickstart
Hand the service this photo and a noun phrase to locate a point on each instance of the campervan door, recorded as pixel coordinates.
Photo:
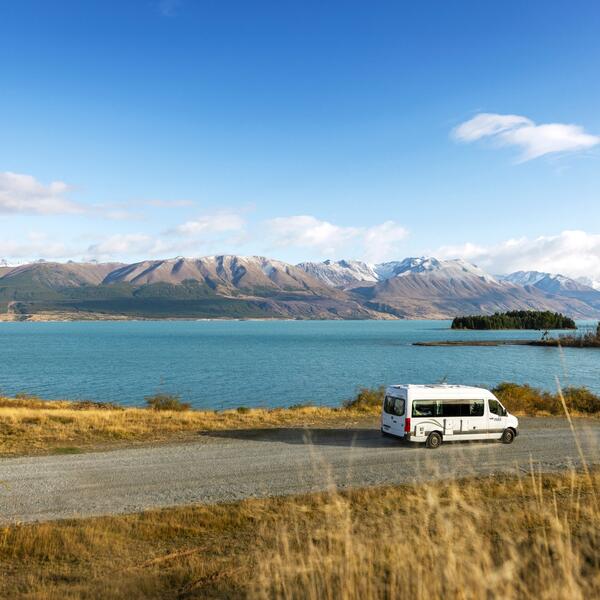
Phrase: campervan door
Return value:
(393, 414)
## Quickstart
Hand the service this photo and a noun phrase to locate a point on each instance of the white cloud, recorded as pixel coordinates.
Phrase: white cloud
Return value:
(207, 224)
(35, 245)
(382, 242)
(379, 242)
(533, 140)
(169, 203)
(570, 253)
(309, 232)
(25, 194)
(127, 244)
(207, 233)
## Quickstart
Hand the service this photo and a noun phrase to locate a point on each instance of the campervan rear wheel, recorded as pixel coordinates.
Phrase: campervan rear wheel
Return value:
(434, 440)
(508, 436)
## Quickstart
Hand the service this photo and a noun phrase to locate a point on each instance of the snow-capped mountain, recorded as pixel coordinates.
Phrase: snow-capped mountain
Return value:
(547, 282)
(223, 272)
(429, 287)
(427, 264)
(341, 273)
(346, 273)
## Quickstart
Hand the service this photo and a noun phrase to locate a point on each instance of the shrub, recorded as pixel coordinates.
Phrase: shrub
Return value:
(242, 410)
(23, 400)
(366, 399)
(27, 396)
(166, 402)
(92, 405)
(580, 399)
(528, 400)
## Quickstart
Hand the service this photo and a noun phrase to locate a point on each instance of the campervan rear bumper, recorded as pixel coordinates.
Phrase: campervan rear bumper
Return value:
(404, 437)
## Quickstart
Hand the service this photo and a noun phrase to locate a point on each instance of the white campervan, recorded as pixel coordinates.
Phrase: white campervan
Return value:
(436, 413)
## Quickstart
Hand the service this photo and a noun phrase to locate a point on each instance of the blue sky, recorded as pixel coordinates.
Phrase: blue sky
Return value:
(301, 130)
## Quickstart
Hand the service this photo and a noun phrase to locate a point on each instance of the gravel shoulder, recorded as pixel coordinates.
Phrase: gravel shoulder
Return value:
(229, 465)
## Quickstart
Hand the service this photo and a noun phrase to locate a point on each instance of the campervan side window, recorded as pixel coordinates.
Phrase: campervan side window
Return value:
(476, 408)
(448, 408)
(496, 408)
(393, 406)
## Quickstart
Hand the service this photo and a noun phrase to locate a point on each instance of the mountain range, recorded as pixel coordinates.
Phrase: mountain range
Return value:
(258, 287)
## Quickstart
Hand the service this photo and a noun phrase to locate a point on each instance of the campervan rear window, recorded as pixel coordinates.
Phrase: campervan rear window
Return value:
(393, 406)
(448, 408)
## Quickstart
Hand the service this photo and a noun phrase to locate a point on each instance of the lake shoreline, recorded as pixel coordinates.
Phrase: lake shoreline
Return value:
(446, 343)
(491, 343)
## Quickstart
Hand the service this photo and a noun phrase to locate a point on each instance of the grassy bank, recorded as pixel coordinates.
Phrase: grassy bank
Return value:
(29, 425)
(522, 537)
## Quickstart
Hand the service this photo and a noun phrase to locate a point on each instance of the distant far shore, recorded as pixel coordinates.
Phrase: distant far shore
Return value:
(82, 317)
(52, 317)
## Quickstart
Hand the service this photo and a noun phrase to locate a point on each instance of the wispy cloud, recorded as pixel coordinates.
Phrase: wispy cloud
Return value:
(531, 139)
(216, 223)
(219, 232)
(24, 194)
(169, 203)
(36, 245)
(383, 242)
(305, 231)
(574, 253)
(375, 243)
(126, 245)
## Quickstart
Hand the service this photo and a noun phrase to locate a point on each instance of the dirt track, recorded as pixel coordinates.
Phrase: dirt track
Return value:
(230, 465)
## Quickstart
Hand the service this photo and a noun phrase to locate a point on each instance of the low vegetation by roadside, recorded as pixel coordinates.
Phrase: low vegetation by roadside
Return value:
(521, 537)
(30, 425)
(518, 399)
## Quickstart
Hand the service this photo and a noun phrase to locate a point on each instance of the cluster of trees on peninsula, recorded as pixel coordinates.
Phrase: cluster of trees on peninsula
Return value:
(516, 319)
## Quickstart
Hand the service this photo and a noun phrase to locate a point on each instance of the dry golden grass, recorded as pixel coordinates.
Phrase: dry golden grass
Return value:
(33, 426)
(533, 536)
(30, 425)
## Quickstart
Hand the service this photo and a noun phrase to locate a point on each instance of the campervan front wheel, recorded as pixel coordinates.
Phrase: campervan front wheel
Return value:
(434, 440)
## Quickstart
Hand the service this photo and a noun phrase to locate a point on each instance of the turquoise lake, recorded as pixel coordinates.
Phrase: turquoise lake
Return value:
(221, 364)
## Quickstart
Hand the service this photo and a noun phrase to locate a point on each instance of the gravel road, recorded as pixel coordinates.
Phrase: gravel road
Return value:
(230, 465)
